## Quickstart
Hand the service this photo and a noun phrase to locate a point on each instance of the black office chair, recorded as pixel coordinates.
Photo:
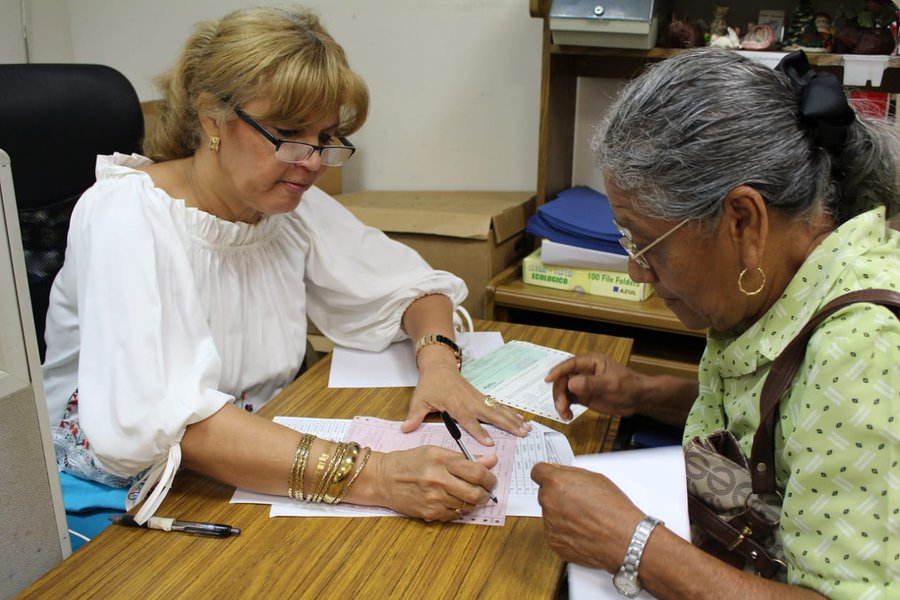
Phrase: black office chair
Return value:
(54, 121)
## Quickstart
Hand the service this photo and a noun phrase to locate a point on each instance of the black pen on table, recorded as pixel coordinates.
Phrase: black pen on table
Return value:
(168, 524)
(456, 435)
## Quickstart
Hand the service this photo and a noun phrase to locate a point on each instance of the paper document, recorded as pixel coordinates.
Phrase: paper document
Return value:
(383, 435)
(395, 366)
(514, 375)
(542, 444)
(654, 479)
(554, 253)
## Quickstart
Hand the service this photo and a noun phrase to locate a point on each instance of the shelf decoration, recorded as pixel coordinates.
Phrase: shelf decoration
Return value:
(807, 31)
(863, 27)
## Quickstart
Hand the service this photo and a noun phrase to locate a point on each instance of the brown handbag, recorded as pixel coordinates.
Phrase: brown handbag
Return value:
(734, 507)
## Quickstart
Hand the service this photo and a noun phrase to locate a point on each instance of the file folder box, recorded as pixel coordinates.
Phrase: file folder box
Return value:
(474, 235)
(611, 23)
(595, 282)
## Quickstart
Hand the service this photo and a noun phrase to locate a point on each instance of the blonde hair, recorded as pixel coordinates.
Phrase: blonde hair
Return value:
(282, 54)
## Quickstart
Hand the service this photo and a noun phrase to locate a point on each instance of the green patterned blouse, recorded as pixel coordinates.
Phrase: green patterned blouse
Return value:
(838, 445)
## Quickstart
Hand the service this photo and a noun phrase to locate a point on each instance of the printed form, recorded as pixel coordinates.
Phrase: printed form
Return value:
(516, 492)
(514, 375)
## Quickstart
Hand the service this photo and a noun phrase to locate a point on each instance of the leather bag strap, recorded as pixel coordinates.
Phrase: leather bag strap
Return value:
(781, 374)
(732, 540)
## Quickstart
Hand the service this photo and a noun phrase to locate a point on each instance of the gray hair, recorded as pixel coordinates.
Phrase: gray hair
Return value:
(695, 126)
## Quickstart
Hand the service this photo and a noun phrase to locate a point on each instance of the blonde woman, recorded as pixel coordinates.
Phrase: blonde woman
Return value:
(183, 302)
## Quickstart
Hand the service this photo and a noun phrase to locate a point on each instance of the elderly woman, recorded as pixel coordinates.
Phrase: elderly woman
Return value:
(750, 198)
(183, 302)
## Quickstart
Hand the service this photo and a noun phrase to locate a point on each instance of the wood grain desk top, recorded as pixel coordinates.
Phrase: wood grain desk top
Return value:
(331, 557)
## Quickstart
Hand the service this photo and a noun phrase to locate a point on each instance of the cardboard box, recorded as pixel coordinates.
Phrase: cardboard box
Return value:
(596, 282)
(474, 235)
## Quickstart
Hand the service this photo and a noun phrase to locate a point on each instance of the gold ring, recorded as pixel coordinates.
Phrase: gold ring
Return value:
(457, 510)
(490, 401)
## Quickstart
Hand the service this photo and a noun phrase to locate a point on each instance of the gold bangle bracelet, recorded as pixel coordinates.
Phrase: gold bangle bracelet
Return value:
(307, 446)
(359, 468)
(325, 481)
(340, 476)
(298, 466)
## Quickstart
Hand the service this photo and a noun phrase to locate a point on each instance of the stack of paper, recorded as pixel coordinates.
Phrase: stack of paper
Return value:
(564, 255)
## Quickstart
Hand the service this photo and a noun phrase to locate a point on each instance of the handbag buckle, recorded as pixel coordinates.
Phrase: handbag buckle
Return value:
(746, 531)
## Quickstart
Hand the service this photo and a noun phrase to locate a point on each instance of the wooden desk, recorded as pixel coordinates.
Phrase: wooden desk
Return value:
(331, 557)
(662, 344)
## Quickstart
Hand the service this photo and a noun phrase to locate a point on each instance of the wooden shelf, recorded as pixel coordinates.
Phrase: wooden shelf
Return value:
(508, 290)
(622, 63)
(662, 344)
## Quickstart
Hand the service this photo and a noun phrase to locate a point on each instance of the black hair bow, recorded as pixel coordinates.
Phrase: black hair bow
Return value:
(822, 101)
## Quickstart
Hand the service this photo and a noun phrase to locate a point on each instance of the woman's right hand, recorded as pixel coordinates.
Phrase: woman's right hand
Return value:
(428, 482)
(596, 381)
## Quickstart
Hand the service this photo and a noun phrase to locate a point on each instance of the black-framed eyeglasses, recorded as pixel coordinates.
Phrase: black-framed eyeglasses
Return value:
(332, 155)
(638, 255)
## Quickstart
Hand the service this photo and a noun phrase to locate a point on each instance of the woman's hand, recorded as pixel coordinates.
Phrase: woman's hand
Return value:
(596, 381)
(441, 387)
(587, 519)
(428, 482)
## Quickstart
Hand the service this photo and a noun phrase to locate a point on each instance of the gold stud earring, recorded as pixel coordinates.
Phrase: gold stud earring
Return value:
(214, 143)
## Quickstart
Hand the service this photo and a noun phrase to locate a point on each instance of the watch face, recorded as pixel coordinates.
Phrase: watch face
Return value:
(626, 584)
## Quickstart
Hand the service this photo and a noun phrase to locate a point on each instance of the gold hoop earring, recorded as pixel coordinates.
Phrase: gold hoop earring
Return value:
(762, 283)
(214, 143)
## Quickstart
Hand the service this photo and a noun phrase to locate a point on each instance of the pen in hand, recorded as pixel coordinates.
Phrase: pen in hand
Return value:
(457, 436)
(168, 524)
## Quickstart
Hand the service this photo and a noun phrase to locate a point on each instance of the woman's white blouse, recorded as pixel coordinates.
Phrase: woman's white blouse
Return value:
(163, 313)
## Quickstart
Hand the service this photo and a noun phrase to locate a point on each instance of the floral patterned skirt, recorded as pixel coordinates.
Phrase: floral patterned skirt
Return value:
(74, 454)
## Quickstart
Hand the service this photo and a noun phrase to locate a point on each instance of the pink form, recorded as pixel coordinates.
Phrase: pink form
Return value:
(385, 436)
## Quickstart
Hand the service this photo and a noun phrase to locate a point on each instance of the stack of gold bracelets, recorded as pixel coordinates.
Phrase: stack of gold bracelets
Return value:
(336, 470)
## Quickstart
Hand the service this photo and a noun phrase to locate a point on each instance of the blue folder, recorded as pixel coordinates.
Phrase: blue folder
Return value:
(579, 216)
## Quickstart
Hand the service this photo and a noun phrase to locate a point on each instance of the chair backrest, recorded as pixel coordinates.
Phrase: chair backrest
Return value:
(54, 121)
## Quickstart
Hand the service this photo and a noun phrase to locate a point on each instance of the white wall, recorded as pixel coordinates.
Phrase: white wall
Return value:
(455, 84)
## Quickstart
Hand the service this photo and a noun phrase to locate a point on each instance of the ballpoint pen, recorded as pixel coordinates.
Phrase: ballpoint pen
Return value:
(168, 524)
(457, 436)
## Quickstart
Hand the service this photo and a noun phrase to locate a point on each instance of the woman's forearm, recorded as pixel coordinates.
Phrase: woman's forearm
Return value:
(248, 451)
(666, 398)
(431, 314)
(672, 567)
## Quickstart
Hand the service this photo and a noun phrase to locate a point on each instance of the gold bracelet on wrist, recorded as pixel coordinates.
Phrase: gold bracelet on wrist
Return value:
(333, 464)
(348, 461)
(298, 467)
(359, 468)
(436, 338)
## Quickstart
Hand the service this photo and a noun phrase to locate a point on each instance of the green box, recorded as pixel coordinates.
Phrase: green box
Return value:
(596, 282)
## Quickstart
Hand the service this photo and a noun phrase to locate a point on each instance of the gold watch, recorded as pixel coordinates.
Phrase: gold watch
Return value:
(436, 338)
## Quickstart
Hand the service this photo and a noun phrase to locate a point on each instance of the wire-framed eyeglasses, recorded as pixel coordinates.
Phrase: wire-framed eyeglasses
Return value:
(638, 255)
(332, 155)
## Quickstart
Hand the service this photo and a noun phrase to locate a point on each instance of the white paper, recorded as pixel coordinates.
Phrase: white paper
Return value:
(396, 365)
(554, 253)
(654, 479)
(542, 444)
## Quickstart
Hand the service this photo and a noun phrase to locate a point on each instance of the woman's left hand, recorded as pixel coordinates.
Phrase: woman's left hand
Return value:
(587, 519)
(441, 387)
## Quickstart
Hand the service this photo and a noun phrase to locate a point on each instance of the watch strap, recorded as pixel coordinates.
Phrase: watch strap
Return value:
(632, 561)
(436, 338)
